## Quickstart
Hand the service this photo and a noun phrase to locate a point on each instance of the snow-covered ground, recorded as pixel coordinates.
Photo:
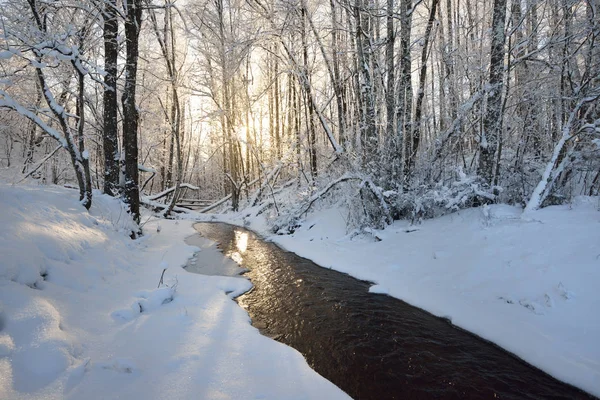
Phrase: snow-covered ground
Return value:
(530, 284)
(81, 316)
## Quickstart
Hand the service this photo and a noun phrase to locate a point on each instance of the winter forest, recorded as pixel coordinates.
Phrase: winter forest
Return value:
(299, 199)
(403, 109)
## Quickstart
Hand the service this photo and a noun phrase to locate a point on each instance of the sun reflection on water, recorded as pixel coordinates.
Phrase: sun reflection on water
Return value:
(241, 243)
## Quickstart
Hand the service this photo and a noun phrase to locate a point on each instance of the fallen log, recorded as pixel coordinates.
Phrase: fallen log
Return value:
(171, 190)
(160, 206)
(215, 205)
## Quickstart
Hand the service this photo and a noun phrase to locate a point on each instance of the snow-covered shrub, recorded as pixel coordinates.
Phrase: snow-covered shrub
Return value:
(285, 209)
(441, 198)
(371, 209)
(582, 175)
(364, 201)
(518, 182)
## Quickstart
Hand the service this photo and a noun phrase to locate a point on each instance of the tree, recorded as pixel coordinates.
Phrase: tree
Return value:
(405, 92)
(133, 24)
(415, 137)
(110, 126)
(44, 48)
(166, 41)
(492, 123)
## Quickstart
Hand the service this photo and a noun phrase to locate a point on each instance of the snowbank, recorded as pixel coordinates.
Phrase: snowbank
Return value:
(81, 316)
(529, 285)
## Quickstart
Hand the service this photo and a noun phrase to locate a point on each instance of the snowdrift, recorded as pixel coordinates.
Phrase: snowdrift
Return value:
(81, 316)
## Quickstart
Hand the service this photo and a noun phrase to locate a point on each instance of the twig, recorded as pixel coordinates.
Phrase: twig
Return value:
(41, 163)
(161, 278)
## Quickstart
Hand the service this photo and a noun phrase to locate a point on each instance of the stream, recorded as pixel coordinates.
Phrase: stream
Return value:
(372, 346)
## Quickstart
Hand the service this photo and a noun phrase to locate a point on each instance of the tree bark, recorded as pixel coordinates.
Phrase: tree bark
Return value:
(416, 131)
(312, 136)
(133, 21)
(366, 92)
(391, 77)
(492, 122)
(110, 129)
(405, 91)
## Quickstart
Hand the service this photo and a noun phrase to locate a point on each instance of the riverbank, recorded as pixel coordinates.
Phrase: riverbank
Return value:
(81, 316)
(371, 346)
(528, 285)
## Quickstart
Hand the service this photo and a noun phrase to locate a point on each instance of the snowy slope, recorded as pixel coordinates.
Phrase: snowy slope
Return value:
(531, 285)
(81, 316)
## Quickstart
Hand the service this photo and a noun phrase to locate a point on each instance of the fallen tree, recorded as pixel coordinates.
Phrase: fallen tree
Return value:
(560, 157)
(158, 206)
(170, 190)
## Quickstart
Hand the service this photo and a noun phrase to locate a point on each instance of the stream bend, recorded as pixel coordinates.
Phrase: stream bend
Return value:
(372, 346)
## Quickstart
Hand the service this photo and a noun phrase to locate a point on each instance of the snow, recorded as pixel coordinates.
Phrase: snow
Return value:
(143, 168)
(551, 172)
(166, 191)
(8, 102)
(379, 289)
(5, 55)
(529, 285)
(37, 64)
(81, 316)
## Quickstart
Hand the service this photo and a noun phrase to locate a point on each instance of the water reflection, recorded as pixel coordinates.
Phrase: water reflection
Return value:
(241, 245)
(237, 257)
(372, 346)
(241, 241)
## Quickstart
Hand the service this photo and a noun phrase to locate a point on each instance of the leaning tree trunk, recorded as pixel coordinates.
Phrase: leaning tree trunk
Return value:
(332, 66)
(167, 45)
(80, 165)
(416, 131)
(555, 166)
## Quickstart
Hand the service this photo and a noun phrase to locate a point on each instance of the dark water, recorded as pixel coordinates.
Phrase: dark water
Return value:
(372, 346)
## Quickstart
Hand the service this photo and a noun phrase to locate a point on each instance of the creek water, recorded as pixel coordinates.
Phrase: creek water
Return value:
(372, 346)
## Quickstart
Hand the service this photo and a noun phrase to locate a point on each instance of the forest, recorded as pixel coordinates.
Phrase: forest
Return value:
(404, 109)
(299, 199)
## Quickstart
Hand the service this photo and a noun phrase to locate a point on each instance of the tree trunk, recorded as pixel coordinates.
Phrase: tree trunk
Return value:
(227, 111)
(32, 128)
(60, 114)
(85, 162)
(405, 92)
(391, 77)
(492, 120)
(133, 23)
(276, 104)
(110, 128)
(312, 136)
(416, 131)
(366, 92)
(338, 85)
(556, 164)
